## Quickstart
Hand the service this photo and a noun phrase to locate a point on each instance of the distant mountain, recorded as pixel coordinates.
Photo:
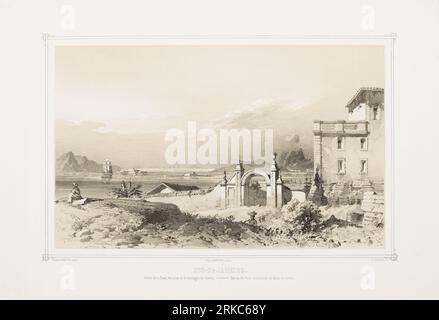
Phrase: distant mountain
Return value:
(69, 163)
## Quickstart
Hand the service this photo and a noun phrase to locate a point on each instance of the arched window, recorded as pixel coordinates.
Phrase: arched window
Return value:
(375, 113)
(363, 166)
(339, 142)
(341, 166)
(363, 143)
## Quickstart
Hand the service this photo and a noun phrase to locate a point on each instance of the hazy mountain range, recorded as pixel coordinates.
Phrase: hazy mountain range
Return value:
(292, 127)
(71, 163)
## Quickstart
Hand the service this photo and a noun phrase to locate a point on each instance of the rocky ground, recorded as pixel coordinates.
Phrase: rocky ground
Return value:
(125, 223)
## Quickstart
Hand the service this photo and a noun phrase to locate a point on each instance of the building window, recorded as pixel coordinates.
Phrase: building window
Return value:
(363, 143)
(363, 166)
(375, 113)
(341, 166)
(340, 143)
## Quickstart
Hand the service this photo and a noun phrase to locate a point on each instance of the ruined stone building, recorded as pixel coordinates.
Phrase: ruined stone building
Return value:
(350, 153)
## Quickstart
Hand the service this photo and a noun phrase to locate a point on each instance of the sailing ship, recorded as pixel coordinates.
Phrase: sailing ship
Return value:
(107, 172)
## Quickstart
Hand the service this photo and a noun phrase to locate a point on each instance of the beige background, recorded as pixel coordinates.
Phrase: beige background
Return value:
(24, 275)
(127, 96)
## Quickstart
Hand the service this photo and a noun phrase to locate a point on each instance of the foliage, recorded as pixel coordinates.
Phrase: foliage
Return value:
(127, 191)
(257, 196)
(305, 216)
(255, 185)
(289, 210)
(308, 217)
(252, 215)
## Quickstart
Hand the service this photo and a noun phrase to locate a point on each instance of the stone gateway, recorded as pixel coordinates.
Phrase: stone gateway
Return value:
(236, 191)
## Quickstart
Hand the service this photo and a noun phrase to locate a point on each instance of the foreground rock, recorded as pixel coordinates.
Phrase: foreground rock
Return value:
(125, 223)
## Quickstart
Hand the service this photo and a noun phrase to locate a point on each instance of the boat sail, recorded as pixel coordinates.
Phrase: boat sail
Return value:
(107, 171)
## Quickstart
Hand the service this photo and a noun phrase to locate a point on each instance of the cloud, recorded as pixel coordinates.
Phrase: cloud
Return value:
(148, 122)
(259, 114)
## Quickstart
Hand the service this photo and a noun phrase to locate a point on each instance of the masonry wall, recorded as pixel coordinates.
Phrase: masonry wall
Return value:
(373, 207)
(353, 154)
(377, 150)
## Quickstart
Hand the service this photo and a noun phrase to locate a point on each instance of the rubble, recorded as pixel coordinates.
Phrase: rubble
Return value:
(373, 207)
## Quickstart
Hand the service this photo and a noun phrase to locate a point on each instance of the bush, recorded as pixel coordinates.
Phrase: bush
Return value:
(127, 191)
(289, 210)
(305, 216)
(308, 217)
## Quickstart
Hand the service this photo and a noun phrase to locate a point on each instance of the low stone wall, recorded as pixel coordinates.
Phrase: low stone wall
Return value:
(194, 203)
(338, 194)
(349, 193)
(373, 207)
(180, 193)
(343, 194)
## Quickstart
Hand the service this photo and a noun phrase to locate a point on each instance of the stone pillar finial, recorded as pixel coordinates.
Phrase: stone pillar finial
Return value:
(238, 166)
(274, 163)
(279, 178)
(239, 170)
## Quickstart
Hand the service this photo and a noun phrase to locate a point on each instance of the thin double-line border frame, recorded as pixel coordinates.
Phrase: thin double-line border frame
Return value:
(387, 40)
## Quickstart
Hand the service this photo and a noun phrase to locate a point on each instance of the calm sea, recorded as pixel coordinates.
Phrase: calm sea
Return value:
(98, 189)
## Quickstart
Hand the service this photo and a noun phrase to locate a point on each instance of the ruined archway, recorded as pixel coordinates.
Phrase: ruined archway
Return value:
(237, 190)
(255, 188)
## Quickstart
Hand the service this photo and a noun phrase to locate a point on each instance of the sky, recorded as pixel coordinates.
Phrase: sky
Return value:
(117, 102)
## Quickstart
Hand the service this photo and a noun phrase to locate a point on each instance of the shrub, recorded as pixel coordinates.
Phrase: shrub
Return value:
(252, 215)
(127, 191)
(305, 217)
(308, 217)
(289, 210)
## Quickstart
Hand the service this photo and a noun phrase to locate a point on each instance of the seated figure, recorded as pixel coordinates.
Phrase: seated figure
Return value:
(75, 194)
